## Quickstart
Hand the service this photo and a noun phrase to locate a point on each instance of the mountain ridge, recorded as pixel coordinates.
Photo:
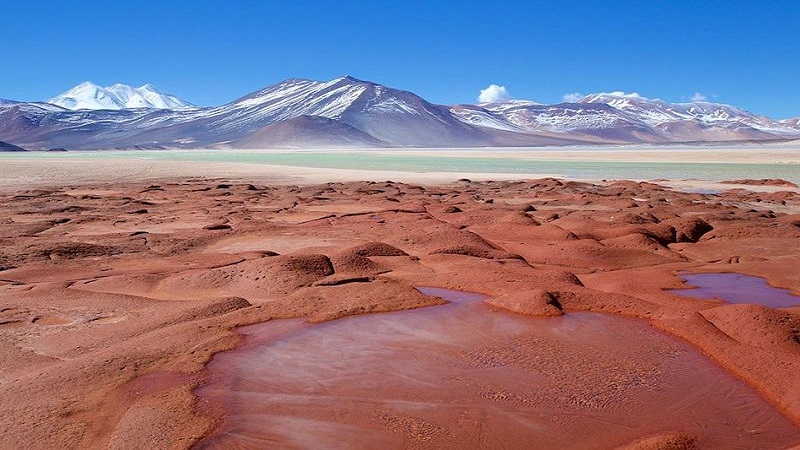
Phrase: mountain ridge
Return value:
(356, 112)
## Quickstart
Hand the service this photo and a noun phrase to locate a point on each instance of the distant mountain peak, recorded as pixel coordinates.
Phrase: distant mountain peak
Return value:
(618, 94)
(86, 84)
(89, 95)
(350, 78)
(510, 104)
(619, 99)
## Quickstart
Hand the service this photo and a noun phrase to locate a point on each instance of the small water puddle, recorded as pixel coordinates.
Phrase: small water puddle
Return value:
(457, 297)
(462, 375)
(736, 288)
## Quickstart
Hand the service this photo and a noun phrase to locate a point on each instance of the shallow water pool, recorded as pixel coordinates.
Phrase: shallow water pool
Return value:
(736, 288)
(464, 375)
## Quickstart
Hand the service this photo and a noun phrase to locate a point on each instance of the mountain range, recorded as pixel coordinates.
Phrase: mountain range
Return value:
(348, 112)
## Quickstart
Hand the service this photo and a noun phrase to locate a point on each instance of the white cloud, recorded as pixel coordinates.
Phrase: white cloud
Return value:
(572, 97)
(698, 97)
(494, 94)
(623, 94)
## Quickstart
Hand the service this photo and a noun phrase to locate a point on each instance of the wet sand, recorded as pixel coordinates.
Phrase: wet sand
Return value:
(115, 295)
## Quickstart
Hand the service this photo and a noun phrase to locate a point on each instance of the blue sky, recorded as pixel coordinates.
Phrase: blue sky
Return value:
(744, 53)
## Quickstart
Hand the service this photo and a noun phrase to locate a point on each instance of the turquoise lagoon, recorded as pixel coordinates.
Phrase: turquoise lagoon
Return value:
(481, 162)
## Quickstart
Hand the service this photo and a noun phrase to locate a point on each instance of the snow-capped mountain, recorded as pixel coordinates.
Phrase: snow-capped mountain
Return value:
(617, 117)
(791, 123)
(693, 120)
(592, 123)
(88, 95)
(389, 115)
(655, 111)
(350, 112)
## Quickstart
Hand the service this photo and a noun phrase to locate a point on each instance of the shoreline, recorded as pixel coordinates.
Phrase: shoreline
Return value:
(786, 153)
(767, 154)
(21, 171)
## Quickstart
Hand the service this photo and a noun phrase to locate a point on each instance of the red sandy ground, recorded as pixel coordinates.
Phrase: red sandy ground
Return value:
(104, 284)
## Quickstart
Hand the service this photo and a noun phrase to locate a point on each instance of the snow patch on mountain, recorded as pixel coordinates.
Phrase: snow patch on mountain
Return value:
(5, 102)
(482, 117)
(791, 123)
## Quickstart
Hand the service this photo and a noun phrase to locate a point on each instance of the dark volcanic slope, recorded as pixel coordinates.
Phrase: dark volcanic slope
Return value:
(6, 147)
(308, 131)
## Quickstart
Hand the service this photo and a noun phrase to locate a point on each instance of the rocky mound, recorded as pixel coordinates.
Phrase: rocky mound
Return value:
(476, 252)
(215, 308)
(665, 441)
(257, 279)
(554, 232)
(76, 250)
(519, 218)
(678, 230)
(325, 303)
(762, 182)
(637, 241)
(452, 238)
(350, 262)
(690, 230)
(757, 325)
(535, 302)
(376, 249)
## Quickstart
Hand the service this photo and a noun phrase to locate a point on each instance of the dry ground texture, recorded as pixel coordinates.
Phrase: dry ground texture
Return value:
(103, 284)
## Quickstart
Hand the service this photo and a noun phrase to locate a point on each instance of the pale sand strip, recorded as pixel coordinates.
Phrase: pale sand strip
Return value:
(21, 172)
(28, 173)
(784, 153)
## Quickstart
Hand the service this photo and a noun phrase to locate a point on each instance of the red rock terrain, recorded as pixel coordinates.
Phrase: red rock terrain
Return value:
(114, 297)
